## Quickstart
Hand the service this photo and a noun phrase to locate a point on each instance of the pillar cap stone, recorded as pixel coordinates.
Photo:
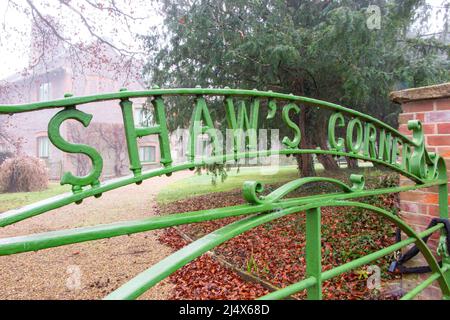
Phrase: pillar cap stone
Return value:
(439, 91)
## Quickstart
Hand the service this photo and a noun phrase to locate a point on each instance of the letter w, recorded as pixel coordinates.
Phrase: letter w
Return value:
(243, 126)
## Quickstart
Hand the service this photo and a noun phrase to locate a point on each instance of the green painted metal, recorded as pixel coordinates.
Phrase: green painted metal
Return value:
(144, 281)
(364, 138)
(304, 284)
(425, 284)
(147, 279)
(45, 240)
(314, 252)
(55, 137)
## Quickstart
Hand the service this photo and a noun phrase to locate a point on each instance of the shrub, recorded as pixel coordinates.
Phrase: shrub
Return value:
(5, 155)
(23, 174)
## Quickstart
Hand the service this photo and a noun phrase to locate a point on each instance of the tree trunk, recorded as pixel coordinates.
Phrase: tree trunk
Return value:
(305, 165)
(305, 162)
(352, 163)
(327, 160)
(117, 163)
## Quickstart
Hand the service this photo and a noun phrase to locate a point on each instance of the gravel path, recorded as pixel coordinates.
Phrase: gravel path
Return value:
(88, 270)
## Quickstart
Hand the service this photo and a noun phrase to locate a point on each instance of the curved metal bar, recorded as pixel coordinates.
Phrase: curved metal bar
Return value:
(51, 239)
(422, 163)
(144, 281)
(251, 189)
(72, 101)
(150, 277)
(425, 168)
(309, 282)
(16, 215)
(39, 241)
(414, 292)
(416, 238)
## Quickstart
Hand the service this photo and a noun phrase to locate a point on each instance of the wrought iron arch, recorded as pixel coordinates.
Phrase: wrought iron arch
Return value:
(366, 138)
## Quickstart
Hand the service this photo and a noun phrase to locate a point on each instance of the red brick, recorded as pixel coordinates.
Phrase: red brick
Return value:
(431, 293)
(433, 241)
(438, 140)
(443, 104)
(443, 116)
(429, 128)
(431, 149)
(405, 117)
(433, 210)
(443, 128)
(416, 228)
(444, 152)
(434, 189)
(408, 196)
(403, 128)
(419, 221)
(420, 117)
(420, 197)
(405, 181)
(413, 207)
(431, 198)
(425, 105)
(411, 196)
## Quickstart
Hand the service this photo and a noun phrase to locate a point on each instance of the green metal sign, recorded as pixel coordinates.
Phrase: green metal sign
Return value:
(365, 138)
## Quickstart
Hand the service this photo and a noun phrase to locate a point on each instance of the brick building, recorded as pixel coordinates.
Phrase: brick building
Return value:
(52, 78)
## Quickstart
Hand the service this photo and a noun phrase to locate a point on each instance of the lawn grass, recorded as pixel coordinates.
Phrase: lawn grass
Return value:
(197, 185)
(10, 201)
(201, 184)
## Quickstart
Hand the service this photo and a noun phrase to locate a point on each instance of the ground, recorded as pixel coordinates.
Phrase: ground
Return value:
(94, 269)
(99, 266)
(275, 252)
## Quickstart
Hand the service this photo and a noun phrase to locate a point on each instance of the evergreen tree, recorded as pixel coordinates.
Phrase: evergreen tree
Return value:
(338, 51)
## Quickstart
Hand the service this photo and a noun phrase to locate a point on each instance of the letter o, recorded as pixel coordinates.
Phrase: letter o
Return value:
(352, 145)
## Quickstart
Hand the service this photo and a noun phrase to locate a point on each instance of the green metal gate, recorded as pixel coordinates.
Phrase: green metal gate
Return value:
(365, 138)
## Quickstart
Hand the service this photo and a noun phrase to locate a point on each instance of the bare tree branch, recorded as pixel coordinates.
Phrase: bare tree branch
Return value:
(91, 29)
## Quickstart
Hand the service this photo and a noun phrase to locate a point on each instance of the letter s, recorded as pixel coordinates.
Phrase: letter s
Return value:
(55, 137)
(291, 144)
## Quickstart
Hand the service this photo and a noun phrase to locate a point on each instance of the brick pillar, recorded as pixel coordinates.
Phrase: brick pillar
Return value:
(430, 105)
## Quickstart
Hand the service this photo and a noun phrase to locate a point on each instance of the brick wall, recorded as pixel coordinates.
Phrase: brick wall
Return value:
(430, 105)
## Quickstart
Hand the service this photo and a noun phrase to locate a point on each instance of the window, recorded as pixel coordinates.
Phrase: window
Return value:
(138, 116)
(143, 117)
(45, 91)
(147, 153)
(43, 147)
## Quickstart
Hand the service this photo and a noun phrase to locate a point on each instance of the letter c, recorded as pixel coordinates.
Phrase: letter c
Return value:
(337, 119)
